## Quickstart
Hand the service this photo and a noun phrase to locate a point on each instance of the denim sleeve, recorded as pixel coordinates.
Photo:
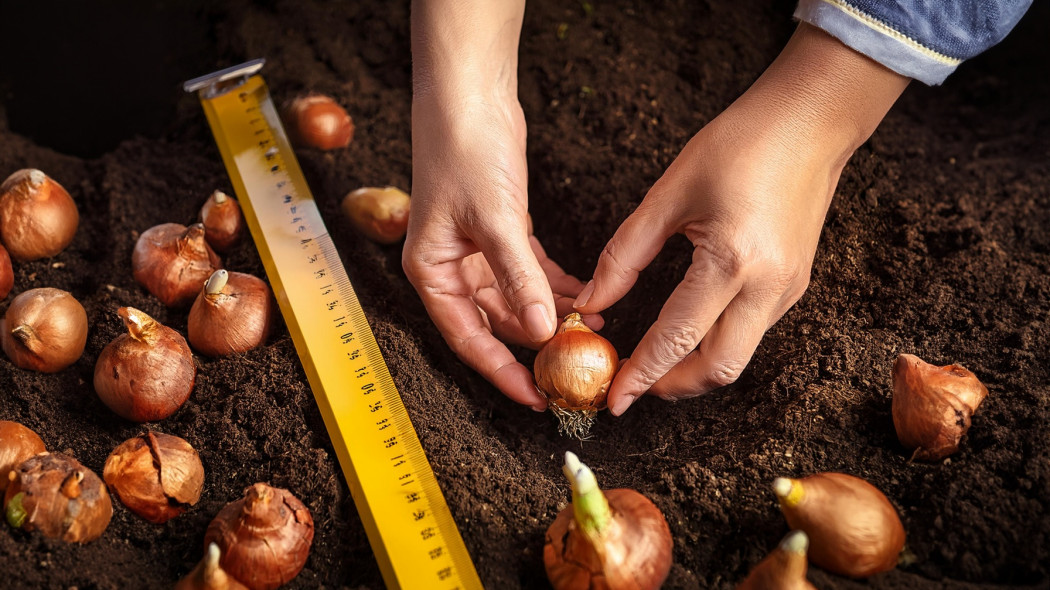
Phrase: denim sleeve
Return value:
(921, 39)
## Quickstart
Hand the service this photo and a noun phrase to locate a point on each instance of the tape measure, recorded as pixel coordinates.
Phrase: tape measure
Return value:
(408, 523)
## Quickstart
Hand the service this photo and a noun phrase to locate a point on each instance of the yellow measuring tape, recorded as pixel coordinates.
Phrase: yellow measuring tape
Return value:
(408, 523)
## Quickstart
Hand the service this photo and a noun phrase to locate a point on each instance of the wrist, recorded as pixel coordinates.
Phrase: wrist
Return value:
(462, 50)
(824, 95)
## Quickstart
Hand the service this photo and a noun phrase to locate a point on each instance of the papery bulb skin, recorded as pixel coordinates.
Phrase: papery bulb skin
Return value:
(381, 214)
(209, 575)
(574, 370)
(56, 495)
(172, 261)
(44, 330)
(784, 568)
(17, 443)
(7, 273)
(38, 218)
(606, 539)
(223, 221)
(146, 374)
(232, 314)
(157, 476)
(264, 537)
(852, 527)
(318, 121)
(932, 406)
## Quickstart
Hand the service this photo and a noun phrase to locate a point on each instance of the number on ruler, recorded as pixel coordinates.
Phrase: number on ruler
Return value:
(376, 406)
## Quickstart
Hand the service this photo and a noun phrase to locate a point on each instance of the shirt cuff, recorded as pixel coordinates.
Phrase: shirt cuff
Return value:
(877, 40)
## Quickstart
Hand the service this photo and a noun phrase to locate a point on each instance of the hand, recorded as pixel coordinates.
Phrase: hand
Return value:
(479, 272)
(469, 252)
(750, 191)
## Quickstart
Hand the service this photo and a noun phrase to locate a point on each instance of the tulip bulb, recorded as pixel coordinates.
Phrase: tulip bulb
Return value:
(616, 539)
(318, 121)
(209, 575)
(574, 370)
(853, 529)
(932, 406)
(784, 568)
(381, 214)
(157, 476)
(17, 443)
(44, 330)
(55, 494)
(7, 273)
(223, 222)
(232, 314)
(172, 262)
(264, 537)
(146, 374)
(38, 218)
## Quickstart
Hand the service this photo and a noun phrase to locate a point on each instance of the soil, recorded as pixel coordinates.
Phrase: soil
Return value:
(936, 244)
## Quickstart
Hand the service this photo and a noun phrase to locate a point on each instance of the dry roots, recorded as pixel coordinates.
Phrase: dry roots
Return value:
(574, 423)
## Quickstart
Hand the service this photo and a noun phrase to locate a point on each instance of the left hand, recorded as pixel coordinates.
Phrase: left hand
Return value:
(750, 191)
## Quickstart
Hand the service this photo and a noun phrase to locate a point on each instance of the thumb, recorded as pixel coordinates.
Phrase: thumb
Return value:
(521, 279)
(634, 245)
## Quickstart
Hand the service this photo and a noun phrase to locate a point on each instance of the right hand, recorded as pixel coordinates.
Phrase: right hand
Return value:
(483, 278)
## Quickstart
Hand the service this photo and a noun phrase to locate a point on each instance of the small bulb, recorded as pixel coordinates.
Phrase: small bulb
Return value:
(38, 218)
(318, 121)
(381, 214)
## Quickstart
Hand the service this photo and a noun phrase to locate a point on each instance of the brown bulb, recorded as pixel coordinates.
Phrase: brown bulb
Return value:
(233, 313)
(38, 218)
(574, 370)
(55, 494)
(613, 539)
(784, 568)
(7, 273)
(157, 476)
(209, 575)
(853, 529)
(265, 537)
(44, 330)
(223, 222)
(172, 262)
(381, 214)
(932, 406)
(17, 443)
(146, 374)
(318, 121)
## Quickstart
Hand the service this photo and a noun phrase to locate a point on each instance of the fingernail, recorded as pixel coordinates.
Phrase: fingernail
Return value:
(584, 295)
(540, 407)
(538, 325)
(622, 404)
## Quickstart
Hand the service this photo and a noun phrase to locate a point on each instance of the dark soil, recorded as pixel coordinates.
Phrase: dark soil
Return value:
(937, 244)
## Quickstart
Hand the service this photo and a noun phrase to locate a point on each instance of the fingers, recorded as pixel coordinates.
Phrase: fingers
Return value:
(521, 279)
(461, 323)
(723, 354)
(689, 313)
(634, 245)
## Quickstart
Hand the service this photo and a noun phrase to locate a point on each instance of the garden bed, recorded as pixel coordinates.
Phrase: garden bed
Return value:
(937, 244)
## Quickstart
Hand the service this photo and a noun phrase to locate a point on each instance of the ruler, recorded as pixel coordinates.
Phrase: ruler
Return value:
(408, 523)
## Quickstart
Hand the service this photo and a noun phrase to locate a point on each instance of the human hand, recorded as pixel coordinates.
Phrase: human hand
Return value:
(750, 191)
(482, 276)
(484, 279)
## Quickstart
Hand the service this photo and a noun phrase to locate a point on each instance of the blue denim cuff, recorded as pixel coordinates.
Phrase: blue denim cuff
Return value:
(875, 39)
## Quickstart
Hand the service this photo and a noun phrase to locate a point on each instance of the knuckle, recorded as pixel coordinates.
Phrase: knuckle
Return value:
(515, 280)
(678, 341)
(611, 259)
(724, 373)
